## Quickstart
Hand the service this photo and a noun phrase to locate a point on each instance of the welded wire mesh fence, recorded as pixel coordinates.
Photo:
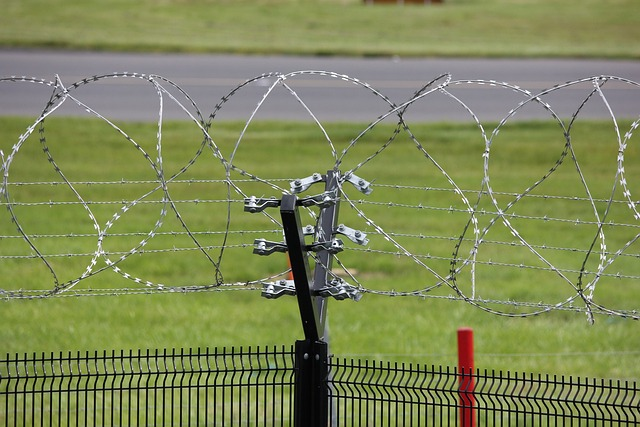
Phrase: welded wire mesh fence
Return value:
(368, 393)
(218, 387)
(255, 387)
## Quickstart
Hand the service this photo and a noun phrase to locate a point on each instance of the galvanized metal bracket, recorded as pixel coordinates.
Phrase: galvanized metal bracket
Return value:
(303, 184)
(333, 246)
(254, 204)
(265, 247)
(340, 290)
(323, 200)
(356, 236)
(273, 290)
(337, 289)
(361, 184)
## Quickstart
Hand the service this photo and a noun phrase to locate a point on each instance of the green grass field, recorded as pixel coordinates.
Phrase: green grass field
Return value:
(477, 28)
(421, 330)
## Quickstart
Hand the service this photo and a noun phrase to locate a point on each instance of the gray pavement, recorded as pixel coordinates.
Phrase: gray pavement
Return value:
(207, 78)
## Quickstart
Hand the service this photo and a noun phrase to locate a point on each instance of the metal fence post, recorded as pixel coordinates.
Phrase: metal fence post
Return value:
(311, 396)
(467, 412)
(311, 405)
(310, 312)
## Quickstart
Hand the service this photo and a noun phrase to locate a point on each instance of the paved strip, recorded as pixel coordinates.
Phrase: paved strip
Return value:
(208, 78)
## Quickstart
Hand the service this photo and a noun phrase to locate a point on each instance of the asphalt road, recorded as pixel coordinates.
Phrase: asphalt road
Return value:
(208, 78)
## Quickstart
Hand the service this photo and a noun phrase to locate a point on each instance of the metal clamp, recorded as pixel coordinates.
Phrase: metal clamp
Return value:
(361, 184)
(333, 247)
(265, 247)
(302, 184)
(356, 236)
(324, 200)
(337, 288)
(273, 290)
(253, 204)
(340, 290)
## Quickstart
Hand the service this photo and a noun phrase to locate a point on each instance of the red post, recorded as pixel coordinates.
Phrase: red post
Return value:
(466, 412)
(290, 275)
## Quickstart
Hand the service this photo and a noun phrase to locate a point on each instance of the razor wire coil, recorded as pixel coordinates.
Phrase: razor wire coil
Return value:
(483, 208)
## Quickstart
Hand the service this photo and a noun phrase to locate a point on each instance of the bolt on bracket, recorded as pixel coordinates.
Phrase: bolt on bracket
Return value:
(337, 289)
(302, 184)
(265, 247)
(254, 204)
(340, 290)
(273, 290)
(356, 236)
(361, 184)
(323, 200)
(333, 246)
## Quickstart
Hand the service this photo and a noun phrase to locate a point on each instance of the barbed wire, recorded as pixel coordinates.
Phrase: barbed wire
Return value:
(472, 235)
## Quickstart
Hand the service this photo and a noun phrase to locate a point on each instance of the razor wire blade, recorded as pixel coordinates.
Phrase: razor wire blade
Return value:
(610, 254)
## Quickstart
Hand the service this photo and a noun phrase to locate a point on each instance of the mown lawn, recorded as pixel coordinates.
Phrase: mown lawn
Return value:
(412, 200)
(468, 28)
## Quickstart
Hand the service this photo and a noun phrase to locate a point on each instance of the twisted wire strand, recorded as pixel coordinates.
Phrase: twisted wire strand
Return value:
(462, 277)
(155, 165)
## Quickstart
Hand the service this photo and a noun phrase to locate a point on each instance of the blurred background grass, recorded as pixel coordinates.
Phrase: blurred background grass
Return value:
(477, 28)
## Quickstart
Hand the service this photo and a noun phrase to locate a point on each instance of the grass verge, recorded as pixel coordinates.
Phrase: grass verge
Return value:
(468, 28)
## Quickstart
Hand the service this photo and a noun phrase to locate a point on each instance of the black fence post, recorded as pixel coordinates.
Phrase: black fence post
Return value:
(311, 395)
(311, 398)
(296, 247)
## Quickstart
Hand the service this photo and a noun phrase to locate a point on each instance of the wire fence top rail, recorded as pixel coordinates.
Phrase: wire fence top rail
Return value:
(475, 210)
